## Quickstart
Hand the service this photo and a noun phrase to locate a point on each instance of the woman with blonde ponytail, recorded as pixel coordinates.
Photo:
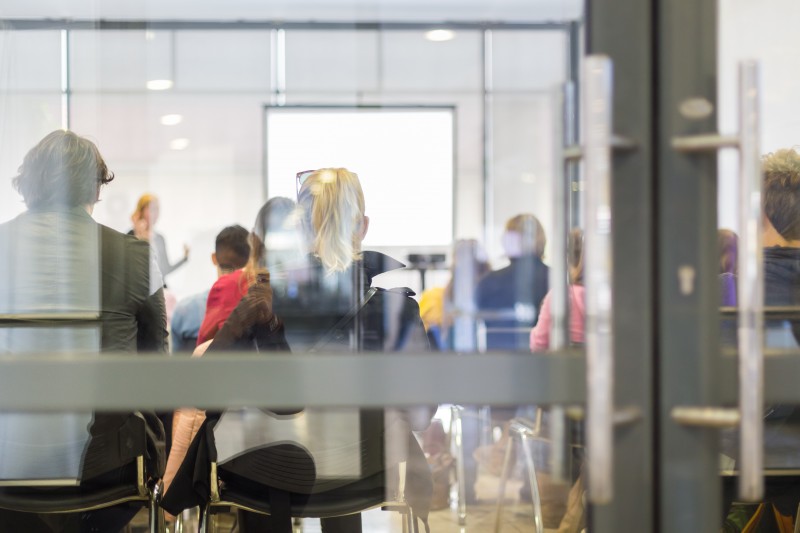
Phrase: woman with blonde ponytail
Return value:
(332, 203)
(323, 301)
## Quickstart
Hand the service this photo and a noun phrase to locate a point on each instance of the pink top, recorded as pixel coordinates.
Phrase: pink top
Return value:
(540, 334)
(185, 424)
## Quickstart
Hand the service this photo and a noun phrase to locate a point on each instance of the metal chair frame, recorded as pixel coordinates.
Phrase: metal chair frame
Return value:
(207, 523)
(149, 493)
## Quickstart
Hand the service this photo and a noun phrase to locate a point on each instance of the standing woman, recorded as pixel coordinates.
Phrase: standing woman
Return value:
(144, 219)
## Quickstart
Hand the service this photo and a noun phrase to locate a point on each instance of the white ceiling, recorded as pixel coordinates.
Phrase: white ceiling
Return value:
(297, 10)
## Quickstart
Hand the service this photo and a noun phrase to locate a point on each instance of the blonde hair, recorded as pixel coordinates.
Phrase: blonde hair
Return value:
(531, 232)
(332, 204)
(145, 200)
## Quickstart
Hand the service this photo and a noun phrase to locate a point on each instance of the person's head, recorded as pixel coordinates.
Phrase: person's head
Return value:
(147, 208)
(332, 214)
(524, 235)
(728, 245)
(231, 250)
(781, 199)
(62, 170)
(273, 221)
(575, 256)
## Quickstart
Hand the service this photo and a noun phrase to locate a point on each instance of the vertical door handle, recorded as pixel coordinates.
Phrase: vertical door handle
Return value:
(563, 135)
(750, 289)
(596, 112)
(749, 285)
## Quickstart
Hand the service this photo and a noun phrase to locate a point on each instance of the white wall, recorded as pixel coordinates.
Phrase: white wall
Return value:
(765, 31)
(221, 82)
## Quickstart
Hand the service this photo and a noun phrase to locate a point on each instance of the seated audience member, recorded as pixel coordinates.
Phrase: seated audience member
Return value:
(540, 334)
(55, 259)
(272, 219)
(321, 302)
(515, 293)
(231, 252)
(436, 304)
(781, 254)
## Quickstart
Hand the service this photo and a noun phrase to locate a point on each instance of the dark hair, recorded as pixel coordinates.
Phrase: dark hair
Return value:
(232, 248)
(272, 215)
(782, 192)
(575, 256)
(270, 218)
(62, 170)
(728, 244)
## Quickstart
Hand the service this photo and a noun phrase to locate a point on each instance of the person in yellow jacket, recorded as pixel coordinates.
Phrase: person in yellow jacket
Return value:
(436, 304)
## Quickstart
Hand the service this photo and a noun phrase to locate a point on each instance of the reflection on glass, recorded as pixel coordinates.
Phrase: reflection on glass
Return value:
(781, 262)
(71, 286)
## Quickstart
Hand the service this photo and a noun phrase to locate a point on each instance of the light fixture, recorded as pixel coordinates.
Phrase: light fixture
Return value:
(159, 85)
(171, 120)
(440, 35)
(181, 143)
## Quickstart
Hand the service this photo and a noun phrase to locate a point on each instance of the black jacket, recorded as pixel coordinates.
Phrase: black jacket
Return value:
(517, 289)
(781, 288)
(319, 312)
(61, 261)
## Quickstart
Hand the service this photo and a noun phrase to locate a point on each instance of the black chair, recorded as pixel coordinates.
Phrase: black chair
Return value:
(55, 488)
(249, 479)
(64, 495)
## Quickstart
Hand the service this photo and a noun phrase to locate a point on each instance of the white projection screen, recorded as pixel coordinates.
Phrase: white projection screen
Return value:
(404, 158)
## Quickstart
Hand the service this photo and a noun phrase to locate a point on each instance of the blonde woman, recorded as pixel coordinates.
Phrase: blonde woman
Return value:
(322, 302)
(144, 219)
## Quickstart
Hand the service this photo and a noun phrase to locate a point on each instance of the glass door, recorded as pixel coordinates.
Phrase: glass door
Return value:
(727, 206)
(527, 235)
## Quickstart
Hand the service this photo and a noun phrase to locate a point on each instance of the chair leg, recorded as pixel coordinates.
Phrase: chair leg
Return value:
(504, 473)
(205, 515)
(156, 520)
(535, 497)
(457, 439)
(797, 520)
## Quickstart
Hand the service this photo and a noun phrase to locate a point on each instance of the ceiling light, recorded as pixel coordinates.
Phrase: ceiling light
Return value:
(179, 144)
(159, 85)
(440, 35)
(171, 120)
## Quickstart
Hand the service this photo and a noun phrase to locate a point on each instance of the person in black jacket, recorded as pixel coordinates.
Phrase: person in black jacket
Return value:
(55, 260)
(322, 302)
(515, 293)
(781, 256)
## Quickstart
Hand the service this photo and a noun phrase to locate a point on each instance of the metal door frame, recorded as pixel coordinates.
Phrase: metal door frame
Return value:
(622, 30)
(689, 361)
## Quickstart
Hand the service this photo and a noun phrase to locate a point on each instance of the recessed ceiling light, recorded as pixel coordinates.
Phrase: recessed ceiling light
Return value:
(440, 35)
(171, 120)
(179, 144)
(159, 85)
(150, 35)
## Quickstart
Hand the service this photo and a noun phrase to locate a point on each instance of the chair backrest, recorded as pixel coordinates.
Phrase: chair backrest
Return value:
(504, 329)
(50, 302)
(46, 449)
(311, 451)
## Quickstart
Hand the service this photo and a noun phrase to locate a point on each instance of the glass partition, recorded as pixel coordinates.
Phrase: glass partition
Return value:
(142, 224)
